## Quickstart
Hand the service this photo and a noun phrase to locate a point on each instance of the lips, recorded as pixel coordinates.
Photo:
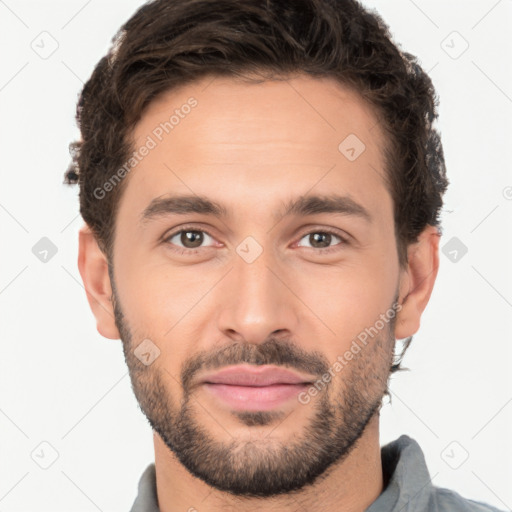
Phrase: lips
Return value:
(247, 375)
(255, 388)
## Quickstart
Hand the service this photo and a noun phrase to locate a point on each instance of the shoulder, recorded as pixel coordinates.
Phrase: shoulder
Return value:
(451, 501)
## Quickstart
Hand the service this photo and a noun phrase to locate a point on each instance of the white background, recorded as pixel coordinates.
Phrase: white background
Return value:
(62, 383)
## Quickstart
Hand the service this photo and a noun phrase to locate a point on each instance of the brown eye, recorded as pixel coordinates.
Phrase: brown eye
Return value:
(323, 240)
(191, 239)
(320, 240)
(188, 239)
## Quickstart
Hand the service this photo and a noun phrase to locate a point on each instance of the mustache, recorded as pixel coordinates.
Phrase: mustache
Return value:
(271, 352)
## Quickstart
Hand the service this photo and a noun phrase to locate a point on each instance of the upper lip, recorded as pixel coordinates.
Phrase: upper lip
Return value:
(250, 375)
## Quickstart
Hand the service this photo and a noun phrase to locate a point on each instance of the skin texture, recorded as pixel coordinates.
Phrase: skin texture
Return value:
(253, 148)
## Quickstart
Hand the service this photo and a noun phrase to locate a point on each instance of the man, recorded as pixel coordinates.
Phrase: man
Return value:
(261, 183)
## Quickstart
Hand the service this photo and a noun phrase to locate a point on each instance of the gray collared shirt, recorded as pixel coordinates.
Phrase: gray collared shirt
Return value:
(408, 486)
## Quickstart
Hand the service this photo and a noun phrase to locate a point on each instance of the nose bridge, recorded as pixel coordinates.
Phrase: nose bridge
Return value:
(254, 302)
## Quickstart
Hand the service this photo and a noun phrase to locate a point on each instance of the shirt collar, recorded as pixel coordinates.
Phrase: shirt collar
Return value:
(407, 483)
(147, 500)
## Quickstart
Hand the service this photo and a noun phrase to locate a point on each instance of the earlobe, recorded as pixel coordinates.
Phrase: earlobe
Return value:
(93, 267)
(417, 281)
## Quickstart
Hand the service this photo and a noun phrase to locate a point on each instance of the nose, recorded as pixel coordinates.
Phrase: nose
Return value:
(256, 301)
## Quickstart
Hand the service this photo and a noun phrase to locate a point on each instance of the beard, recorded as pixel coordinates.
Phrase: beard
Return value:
(264, 467)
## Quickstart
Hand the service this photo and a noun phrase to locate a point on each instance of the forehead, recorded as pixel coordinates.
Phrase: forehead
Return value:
(257, 113)
(232, 138)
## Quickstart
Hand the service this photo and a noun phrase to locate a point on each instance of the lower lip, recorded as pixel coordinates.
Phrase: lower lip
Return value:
(255, 398)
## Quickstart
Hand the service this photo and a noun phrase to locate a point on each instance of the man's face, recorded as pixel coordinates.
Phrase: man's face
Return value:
(257, 286)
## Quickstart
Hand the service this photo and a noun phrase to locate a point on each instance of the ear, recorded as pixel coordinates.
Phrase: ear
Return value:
(417, 281)
(93, 267)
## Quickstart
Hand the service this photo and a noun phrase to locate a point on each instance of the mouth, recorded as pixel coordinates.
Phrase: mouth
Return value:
(255, 388)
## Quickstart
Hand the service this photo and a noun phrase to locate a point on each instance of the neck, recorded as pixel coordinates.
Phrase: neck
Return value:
(352, 485)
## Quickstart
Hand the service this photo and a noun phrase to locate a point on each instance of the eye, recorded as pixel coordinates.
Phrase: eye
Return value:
(322, 240)
(189, 239)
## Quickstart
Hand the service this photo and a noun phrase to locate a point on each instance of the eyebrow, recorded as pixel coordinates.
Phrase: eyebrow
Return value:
(301, 206)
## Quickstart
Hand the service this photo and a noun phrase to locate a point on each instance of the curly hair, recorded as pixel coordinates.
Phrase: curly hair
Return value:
(167, 44)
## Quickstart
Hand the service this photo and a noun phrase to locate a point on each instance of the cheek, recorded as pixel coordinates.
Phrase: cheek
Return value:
(350, 298)
(161, 300)
(158, 306)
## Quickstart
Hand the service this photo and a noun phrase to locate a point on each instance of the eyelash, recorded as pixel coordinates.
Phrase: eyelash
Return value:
(325, 250)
